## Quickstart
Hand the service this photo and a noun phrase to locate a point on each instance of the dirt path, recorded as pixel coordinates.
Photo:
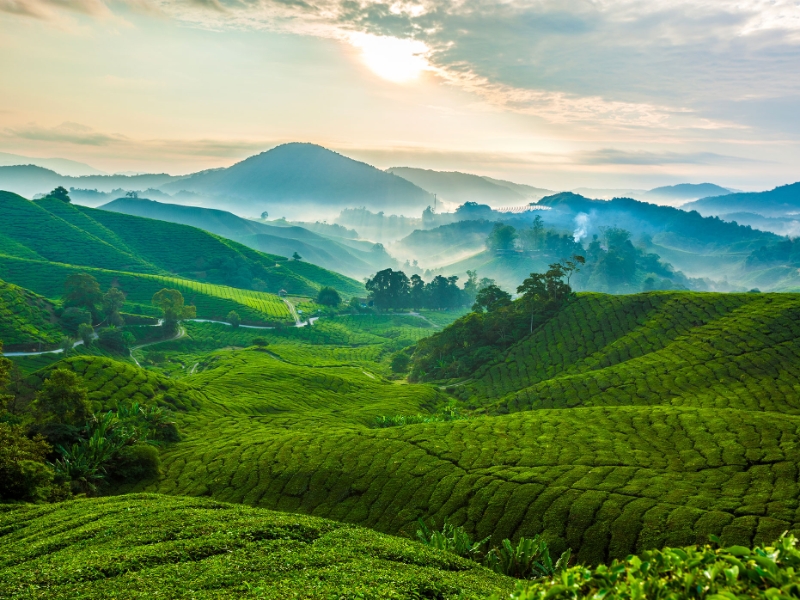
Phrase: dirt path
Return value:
(177, 336)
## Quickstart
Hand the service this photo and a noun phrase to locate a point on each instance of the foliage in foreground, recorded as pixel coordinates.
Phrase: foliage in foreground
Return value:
(146, 546)
(769, 572)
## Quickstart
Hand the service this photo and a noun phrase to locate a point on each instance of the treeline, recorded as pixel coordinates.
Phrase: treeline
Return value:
(786, 253)
(496, 322)
(394, 289)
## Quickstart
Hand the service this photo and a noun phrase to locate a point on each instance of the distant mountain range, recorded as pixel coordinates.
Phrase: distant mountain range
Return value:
(457, 188)
(779, 202)
(62, 166)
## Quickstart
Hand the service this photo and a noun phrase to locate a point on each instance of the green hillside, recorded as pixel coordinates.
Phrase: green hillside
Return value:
(51, 230)
(25, 318)
(147, 546)
(212, 301)
(634, 422)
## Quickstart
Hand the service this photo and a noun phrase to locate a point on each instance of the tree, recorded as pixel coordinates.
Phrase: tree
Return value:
(24, 474)
(572, 265)
(389, 289)
(73, 317)
(502, 237)
(132, 194)
(471, 286)
(60, 193)
(490, 299)
(328, 296)
(63, 399)
(534, 294)
(82, 290)
(172, 306)
(417, 292)
(296, 256)
(264, 216)
(115, 339)
(5, 370)
(260, 342)
(233, 319)
(113, 301)
(532, 239)
(86, 333)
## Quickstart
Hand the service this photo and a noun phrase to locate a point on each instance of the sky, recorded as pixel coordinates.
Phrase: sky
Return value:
(554, 93)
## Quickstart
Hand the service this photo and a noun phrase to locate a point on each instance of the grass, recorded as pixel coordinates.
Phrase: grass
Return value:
(149, 546)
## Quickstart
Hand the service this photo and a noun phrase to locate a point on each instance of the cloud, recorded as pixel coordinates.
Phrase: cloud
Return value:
(600, 65)
(611, 156)
(71, 133)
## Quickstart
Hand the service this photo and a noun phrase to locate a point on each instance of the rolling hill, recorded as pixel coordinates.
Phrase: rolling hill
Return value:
(62, 166)
(26, 319)
(293, 178)
(684, 192)
(624, 423)
(49, 230)
(145, 546)
(326, 251)
(779, 202)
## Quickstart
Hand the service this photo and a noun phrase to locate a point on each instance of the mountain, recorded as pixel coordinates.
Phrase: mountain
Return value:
(293, 178)
(316, 248)
(30, 180)
(458, 188)
(62, 166)
(683, 192)
(779, 202)
(50, 233)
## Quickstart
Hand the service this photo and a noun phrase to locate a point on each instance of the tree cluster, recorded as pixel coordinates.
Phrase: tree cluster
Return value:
(394, 289)
(496, 322)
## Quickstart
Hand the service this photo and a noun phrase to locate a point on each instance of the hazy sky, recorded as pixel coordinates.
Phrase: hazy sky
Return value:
(555, 93)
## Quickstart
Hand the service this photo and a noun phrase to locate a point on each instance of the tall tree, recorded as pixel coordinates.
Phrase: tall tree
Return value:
(113, 301)
(490, 299)
(328, 296)
(389, 289)
(502, 237)
(82, 290)
(63, 399)
(172, 306)
(60, 193)
(417, 293)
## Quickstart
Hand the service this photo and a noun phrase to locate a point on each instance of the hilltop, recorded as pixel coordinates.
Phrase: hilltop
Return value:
(684, 192)
(293, 177)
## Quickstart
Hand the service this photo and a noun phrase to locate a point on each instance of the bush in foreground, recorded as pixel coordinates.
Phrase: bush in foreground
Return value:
(769, 572)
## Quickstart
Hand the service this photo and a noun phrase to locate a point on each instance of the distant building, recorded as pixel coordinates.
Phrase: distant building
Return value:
(282, 293)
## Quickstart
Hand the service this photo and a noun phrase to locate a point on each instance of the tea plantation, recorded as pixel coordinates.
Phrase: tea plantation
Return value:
(26, 318)
(51, 230)
(622, 425)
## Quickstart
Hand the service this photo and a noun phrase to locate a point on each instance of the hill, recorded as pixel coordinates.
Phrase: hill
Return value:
(145, 545)
(779, 202)
(684, 192)
(622, 424)
(51, 230)
(458, 188)
(293, 178)
(325, 251)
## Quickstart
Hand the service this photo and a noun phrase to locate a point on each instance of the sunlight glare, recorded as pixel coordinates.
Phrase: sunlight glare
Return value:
(393, 59)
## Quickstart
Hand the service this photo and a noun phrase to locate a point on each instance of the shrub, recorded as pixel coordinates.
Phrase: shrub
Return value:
(260, 341)
(450, 539)
(529, 559)
(23, 473)
(329, 297)
(400, 362)
(233, 319)
(735, 572)
(136, 462)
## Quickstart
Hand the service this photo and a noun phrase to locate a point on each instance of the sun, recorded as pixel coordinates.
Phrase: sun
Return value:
(393, 59)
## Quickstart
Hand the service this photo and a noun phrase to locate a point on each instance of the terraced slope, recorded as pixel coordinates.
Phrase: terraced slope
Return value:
(148, 546)
(51, 230)
(666, 456)
(25, 318)
(212, 301)
(704, 350)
